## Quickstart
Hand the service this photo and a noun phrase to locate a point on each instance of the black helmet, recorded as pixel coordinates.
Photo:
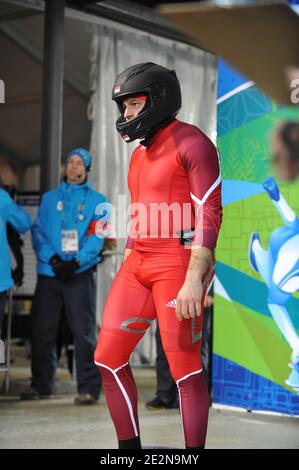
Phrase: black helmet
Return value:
(163, 91)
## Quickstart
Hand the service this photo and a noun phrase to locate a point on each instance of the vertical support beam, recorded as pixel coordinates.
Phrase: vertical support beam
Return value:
(52, 105)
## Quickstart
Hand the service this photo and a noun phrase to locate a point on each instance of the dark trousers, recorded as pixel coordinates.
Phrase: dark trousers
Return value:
(2, 308)
(77, 299)
(207, 346)
(166, 387)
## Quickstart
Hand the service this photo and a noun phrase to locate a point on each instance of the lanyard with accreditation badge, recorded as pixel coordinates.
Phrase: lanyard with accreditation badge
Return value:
(70, 237)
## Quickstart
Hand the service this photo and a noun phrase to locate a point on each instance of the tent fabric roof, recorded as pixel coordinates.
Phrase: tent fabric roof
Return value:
(21, 69)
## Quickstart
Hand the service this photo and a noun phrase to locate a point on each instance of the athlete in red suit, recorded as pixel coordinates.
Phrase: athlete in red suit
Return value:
(175, 185)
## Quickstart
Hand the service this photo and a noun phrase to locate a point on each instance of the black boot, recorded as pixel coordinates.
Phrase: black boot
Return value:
(130, 443)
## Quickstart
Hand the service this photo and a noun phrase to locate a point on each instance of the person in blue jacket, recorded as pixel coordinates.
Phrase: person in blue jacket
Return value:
(11, 213)
(67, 248)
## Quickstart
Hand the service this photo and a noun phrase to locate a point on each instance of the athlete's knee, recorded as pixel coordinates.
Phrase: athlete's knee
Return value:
(104, 358)
(184, 362)
(103, 355)
(105, 366)
(181, 373)
(109, 370)
(191, 380)
(180, 368)
(111, 352)
(99, 358)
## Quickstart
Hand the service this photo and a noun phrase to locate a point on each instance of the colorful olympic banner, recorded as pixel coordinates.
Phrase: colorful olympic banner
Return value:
(256, 310)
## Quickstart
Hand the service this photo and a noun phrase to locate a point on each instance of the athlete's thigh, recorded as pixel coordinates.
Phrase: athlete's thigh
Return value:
(128, 312)
(181, 339)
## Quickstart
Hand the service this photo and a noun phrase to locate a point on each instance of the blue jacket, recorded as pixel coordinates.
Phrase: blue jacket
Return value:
(70, 206)
(20, 220)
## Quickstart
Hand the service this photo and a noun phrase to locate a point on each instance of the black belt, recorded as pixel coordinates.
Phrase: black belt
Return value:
(186, 236)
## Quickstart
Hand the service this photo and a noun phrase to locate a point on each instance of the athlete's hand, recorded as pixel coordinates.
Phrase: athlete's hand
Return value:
(188, 302)
(209, 300)
(128, 251)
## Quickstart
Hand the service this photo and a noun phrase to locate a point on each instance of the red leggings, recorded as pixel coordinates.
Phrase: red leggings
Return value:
(146, 287)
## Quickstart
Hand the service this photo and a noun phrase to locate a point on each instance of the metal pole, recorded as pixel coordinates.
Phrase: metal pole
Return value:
(8, 343)
(52, 106)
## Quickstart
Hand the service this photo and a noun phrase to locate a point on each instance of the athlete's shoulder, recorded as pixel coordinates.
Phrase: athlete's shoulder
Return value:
(188, 135)
(138, 149)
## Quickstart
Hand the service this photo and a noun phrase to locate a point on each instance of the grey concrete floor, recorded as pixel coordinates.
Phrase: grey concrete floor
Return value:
(58, 424)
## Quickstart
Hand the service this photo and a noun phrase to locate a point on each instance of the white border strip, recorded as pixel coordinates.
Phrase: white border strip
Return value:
(219, 406)
(231, 93)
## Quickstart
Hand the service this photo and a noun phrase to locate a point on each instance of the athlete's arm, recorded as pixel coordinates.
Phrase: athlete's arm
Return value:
(189, 298)
(201, 163)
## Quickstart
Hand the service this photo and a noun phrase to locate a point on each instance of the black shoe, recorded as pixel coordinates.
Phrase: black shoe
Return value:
(85, 399)
(32, 394)
(158, 404)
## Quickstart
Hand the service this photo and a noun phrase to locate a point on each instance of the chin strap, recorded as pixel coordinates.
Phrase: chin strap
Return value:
(148, 139)
(146, 142)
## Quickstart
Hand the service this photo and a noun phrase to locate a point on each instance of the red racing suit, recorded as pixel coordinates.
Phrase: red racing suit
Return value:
(175, 185)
